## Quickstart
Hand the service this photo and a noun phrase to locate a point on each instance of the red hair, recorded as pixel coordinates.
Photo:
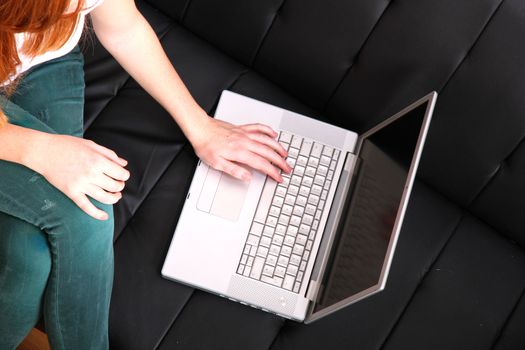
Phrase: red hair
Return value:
(47, 25)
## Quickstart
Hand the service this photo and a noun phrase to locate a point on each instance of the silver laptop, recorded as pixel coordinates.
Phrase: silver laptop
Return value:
(320, 240)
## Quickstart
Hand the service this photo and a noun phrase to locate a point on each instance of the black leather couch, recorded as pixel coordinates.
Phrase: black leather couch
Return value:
(458, 276)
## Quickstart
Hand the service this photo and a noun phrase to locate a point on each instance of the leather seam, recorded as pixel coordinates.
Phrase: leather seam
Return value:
(263, 39)
(356, 57)
(505, 324)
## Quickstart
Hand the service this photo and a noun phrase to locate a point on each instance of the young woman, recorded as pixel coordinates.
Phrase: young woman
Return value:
(56, 189)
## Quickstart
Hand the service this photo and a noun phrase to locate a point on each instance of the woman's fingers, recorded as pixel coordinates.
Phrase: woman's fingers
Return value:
(89, 208)
(107, 183)
(269, 154)
(110, 154)
(265, 129)
(234, 170)
(102, 196)
(275, 147)
(114, 170)
(258, 163)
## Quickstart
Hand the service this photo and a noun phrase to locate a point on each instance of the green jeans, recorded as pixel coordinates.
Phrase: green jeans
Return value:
(55, 260)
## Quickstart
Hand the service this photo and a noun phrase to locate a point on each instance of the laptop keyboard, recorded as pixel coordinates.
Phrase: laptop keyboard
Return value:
(287, 217)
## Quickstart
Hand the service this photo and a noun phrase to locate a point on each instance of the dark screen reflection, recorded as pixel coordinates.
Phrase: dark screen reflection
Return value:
(366, 230)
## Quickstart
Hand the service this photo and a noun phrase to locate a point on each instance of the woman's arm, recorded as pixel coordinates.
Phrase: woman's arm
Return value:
(77, 167)
(130, 39)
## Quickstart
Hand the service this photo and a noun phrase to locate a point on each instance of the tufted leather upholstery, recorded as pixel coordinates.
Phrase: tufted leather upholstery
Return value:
(458, 276)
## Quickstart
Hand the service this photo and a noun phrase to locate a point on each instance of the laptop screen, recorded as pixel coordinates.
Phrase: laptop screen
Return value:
(367, 225)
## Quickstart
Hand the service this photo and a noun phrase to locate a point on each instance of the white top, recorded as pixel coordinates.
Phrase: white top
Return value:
(28, 62)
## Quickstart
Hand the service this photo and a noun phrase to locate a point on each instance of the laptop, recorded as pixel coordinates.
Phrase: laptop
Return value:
(319, 241)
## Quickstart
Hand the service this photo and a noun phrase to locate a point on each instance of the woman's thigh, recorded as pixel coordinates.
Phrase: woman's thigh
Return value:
(53, 92)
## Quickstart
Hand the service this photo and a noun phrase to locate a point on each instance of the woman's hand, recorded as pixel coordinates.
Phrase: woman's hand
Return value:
(228, 147)
(80, 168)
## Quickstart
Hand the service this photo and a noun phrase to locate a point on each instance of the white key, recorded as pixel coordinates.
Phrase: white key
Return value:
(283, 261)
(298, 170)
(297, 249)
(286, 180)
(308, 181)
(313, 199)
(292, 270)
(288, 282)
(322, 170)
(286, 251)
(284, 219)
(309, 244)
(312, 234)
(277, 281)
(310, 171)
(277, 201)
(253, 240)
(303, 266)
(275, 249)
(295, 180)
(301, 239)
(332, 165)
(296, 141)
(324, 194)
(247, 248)
(246, 271)
(256, 229)
(262, 252)
(271, 221)
(278, 239)
(290, 200)
(316, 189)
(271, 260)
(244, 258)
(296, 287)
(302, 161)
(330, 175)
(281, 191)
(287, 209)
(268, 270)
(292, 231)
(293, 190)
(304, 191)
(250, 260)
(295, 220)
(318, 214)
(285, 137)
(308, 219)
(306, 147)
(298, 210)
(327, 151)
(325, 160)
(293, 152)
(317, 149)
(289, 240)
(304, 229)
(295, 259)
(315, 224)
(268, 231)
(275, 211)
(257, 267)
(310, 209)
(290, 162)
(300, 276)
(306, 256)
(319, 180)
(281, 229)
(301, 200)
(265, 241)
(280, 271)
(313, 162)
(336, 154)
(240, 269)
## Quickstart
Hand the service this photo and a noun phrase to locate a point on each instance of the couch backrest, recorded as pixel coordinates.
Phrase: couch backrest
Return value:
(359, 61)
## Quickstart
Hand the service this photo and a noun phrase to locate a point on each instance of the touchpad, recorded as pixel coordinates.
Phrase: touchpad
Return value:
(222, 195)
